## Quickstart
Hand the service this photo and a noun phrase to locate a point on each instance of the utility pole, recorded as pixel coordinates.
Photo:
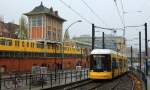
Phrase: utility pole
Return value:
(146, 48)
(103, 41)
(131, 58)
(93, 36)
(140, 49)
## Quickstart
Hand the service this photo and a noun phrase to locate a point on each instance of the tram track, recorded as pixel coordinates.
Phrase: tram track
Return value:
(123, 83)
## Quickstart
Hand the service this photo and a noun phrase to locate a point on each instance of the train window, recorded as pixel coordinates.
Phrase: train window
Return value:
(49, 46)
(2, 41)
(22, 43)
(27, 44)
(114, 63)
(120, 63)
(101, 62)
(17, 43)
(6, 42)
(40, 45)
(33, 45)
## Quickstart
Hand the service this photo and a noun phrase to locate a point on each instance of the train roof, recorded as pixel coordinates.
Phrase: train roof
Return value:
(102, 51)
(105, 51)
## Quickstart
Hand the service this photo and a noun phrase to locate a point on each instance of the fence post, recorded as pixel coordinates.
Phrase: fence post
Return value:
(15, 80)
(76, 75)
(42, 80)
(65, 76)
(0, 80)
(80, 74)
(71, 75)
(59, 77)
(87, 73)
(84, 73)
(51, 79)
(30, 77)
(26, 78)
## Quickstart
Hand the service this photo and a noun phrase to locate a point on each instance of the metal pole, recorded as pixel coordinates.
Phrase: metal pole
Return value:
(63, 40)
(93, 36)
(140, 49)
(146, 48)
(0, 80)
(103, 41)
(81, 58)
(55, 62)
(62, 62)
(131, 58)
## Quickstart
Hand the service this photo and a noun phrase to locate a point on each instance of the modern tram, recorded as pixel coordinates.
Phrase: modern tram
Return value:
(107, 64)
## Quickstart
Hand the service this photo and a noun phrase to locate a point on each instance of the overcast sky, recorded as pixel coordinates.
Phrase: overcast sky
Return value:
(137, 13)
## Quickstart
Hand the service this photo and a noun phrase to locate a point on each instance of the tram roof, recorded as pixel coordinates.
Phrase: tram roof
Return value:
(104, 51)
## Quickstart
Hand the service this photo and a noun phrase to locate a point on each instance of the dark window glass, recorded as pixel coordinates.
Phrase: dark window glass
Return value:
(101, 63)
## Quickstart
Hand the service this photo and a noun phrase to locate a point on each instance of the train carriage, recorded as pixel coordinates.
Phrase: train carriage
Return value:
(21, 55)
(107, 64)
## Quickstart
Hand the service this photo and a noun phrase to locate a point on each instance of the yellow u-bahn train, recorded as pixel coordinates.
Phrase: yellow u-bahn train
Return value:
(107, 64)
(21, 55)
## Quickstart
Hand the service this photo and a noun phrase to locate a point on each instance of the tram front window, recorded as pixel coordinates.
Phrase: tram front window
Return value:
(100, 63)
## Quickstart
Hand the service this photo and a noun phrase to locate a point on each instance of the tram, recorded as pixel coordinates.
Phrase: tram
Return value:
(107, 64)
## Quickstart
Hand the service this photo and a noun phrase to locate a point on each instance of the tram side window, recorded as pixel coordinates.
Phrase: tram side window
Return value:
(17, 43)
(6, 42)
(123, 63)
(23, 44)
(120, 62)
(2, 42)
(32, 45)
(27, 44)
(9, 42)
(114, 63)
(40, 45)
(49, 46)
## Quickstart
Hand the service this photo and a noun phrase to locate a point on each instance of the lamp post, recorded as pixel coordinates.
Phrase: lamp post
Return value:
(70, 26)
(64, 39)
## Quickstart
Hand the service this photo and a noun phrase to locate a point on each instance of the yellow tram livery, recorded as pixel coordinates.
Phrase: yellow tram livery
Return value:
(107, 64)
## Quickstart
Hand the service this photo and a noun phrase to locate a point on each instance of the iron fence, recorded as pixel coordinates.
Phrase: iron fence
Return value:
(28, 81)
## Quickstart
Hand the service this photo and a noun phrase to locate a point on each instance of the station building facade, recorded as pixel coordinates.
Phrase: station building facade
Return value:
(45, 24)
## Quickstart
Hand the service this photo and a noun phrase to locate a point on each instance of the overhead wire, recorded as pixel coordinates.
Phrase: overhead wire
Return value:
(123, 18)
(123, 12)
(75, 11)
(119, 12)
(101, 20)
(144, 4)
(93, 13)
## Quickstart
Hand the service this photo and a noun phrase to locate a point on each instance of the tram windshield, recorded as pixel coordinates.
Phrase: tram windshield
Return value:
(100, 63)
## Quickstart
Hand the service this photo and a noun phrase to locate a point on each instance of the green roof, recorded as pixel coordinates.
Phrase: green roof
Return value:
(44, 10)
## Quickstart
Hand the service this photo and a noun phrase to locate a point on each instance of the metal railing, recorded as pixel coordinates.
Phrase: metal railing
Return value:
(141, 75)
(28, 81)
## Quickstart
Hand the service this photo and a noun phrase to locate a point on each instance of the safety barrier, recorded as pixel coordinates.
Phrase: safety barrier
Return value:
(28, 81)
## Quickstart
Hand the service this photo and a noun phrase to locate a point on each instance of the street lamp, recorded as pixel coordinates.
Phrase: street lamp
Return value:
(64, 39)
(69, 27)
